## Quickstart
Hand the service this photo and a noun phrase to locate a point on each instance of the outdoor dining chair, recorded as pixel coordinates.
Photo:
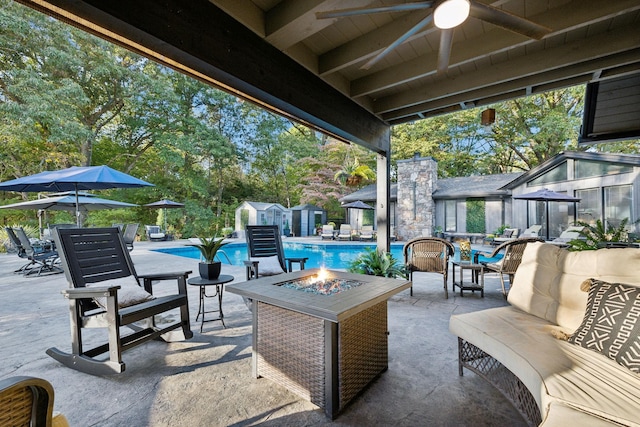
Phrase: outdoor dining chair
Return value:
(428, 255)
(510, 261)
(28, 401)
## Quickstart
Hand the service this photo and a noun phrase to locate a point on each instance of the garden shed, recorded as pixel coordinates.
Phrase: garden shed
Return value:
(260, 213)
(305, 218)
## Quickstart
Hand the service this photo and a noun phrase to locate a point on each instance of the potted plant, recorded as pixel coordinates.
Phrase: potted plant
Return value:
(209, 268)
(437, 231)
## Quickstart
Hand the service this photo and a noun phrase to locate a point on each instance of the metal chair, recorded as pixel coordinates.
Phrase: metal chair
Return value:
(510, 261)
(41, 257)
(429, 255)
(129, 235)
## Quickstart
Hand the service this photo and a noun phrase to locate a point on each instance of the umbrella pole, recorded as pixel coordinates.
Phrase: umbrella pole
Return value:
(546, 205)
(77, 207)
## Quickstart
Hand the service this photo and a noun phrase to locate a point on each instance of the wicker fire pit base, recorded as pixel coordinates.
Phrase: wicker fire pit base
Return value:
(326, 363)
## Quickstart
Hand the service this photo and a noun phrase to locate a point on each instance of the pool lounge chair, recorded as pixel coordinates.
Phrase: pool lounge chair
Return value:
(532, 231)
(367, 233)
(154, 233)
(571, 233)
(327, 232)
(345, 232)
(508, 234)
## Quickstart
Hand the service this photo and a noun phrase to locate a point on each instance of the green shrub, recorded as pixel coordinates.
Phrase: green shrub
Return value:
(377, 263)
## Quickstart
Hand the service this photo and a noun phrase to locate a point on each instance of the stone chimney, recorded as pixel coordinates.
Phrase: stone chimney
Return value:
(415, 208)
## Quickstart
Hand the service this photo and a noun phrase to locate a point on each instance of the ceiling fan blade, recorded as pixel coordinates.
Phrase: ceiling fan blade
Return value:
(444, 52)
(508, 21)
(416, 28)
(365, 11)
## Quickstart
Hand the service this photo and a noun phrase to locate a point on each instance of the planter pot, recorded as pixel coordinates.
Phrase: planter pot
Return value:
(210, 271)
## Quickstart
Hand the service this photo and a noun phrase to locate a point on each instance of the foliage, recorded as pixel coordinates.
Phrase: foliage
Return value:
(595, 234)
(209, 248)
(501, 229)
(476, 216)
(377, 263)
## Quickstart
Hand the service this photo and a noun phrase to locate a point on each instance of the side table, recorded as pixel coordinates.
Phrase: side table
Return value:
(203, 283)
(477, 277)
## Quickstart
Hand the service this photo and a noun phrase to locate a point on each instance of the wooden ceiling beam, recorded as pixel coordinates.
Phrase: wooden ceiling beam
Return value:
(612, 65)
(594, 47)
(199, 39)
(370, 44)
(570, 16)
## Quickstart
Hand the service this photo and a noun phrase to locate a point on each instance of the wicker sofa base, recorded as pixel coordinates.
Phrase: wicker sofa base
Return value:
(483, 364)
(324, 362)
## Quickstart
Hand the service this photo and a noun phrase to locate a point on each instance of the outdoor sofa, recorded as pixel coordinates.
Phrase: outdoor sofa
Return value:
(523, 351)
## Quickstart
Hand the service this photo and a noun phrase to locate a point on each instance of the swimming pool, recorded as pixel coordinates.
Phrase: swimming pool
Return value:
(320, 255)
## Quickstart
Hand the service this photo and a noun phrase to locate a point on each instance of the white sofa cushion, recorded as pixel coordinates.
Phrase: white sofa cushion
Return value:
(547, 282)
(551, 369)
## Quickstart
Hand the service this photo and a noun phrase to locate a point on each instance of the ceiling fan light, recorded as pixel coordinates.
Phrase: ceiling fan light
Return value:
(451, 13)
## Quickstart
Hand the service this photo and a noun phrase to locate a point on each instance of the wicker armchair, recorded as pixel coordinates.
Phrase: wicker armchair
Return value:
(510, 261)
(428, 254)
(28, 401)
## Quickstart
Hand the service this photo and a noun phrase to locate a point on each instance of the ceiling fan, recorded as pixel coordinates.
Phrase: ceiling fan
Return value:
(446, 15)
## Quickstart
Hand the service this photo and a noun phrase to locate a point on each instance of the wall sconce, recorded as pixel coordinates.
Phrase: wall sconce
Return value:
(488, 117)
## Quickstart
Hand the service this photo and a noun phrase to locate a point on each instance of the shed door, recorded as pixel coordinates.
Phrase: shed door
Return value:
(296, 219)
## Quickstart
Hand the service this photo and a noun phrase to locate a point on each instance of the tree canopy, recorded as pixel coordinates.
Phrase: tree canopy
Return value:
(68, 98)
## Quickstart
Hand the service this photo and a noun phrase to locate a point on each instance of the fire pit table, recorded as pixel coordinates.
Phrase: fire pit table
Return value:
(322, 337)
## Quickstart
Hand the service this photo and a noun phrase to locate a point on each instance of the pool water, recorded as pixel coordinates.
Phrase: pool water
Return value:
(320, 255)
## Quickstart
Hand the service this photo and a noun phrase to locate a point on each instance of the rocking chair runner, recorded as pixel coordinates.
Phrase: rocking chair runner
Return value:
(98, 256)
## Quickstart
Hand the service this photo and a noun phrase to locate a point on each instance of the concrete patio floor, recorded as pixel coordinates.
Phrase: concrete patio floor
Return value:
(206, 381)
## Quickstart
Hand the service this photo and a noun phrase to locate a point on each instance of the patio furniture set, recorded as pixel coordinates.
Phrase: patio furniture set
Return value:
(562, 355)
(339, 343)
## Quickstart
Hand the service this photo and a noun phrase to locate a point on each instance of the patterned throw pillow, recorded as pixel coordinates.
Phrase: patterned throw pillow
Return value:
(611, 324)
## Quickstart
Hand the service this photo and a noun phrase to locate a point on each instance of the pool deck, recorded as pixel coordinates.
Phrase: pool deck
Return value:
(206, 381)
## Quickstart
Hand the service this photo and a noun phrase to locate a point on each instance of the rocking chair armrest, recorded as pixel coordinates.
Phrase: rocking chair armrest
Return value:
(298, 260)
(94, 292)
(180, 276)
(165, 276)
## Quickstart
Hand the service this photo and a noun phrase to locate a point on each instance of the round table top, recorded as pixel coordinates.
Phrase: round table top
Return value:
(200, 281)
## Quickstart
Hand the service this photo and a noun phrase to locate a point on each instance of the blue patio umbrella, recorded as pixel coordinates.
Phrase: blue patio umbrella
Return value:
(74, 179)
(545, 195)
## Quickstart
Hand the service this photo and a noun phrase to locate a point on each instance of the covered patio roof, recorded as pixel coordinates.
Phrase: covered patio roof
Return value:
(283, 56)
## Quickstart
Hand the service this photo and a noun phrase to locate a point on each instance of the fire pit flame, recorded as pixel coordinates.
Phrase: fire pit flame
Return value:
(321, 283)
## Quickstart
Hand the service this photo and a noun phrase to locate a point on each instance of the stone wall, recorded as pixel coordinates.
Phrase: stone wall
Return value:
(415, 208)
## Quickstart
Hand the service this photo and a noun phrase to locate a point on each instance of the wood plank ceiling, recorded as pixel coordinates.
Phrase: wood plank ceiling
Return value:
(589, 40)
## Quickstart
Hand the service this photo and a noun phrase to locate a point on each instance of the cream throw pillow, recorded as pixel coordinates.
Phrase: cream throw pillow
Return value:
(130, 292)
(269, 266)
